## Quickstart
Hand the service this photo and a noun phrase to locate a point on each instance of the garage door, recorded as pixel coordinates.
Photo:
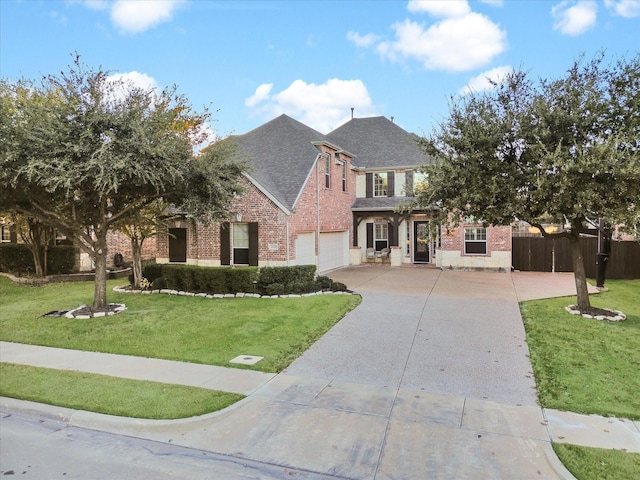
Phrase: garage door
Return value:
(306, 249)
(334, 250)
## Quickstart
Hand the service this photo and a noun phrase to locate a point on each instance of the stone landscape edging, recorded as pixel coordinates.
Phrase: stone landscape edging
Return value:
(167, 291)
(616, 315)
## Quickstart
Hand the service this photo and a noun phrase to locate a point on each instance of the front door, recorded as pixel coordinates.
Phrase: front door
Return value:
(178, 245)
(421, 242)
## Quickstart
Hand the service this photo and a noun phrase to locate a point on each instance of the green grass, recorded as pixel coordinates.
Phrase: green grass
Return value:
(110, 395)
(587, 366)
(587, 463)
(190, 329)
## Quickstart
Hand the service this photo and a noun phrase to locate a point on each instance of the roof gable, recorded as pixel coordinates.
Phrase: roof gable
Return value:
(280, 154)
(377, 142)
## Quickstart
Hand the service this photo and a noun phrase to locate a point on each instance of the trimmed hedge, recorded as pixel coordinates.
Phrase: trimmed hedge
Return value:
(17, 258)
(190, 278)
(61, 259)
(298, 279)
(285, 276)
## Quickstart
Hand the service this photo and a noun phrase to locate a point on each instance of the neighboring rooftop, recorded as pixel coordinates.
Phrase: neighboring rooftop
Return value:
(377, 142)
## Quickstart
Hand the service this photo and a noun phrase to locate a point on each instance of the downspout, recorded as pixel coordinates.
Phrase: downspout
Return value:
(287, 242)
(318, 211)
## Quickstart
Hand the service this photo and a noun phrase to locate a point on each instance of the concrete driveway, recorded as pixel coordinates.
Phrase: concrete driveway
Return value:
(428, 378)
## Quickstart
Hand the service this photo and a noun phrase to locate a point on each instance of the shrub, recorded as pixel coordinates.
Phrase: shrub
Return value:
(186, 275)
(217, 280)
(339, 287)
(15, 258)
(171, 278)
(159, 283)
(240, 280)
(274, 289)
(325, 282)
(285, 275)
(152, 271)
(61, 259)
(304, 286)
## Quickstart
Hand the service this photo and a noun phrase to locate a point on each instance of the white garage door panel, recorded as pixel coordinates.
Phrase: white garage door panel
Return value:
(334, 250)
(306, 249)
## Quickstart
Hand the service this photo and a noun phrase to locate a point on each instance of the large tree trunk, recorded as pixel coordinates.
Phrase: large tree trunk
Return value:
(136, 249)
(100, 284)
(579, 272)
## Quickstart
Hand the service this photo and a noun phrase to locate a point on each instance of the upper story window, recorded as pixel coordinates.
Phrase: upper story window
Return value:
(327, 171)
(344, 176)
(475, 240)
(380, 184)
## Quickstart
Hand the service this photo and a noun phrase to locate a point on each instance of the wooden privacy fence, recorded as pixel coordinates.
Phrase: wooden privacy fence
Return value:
(539, 254)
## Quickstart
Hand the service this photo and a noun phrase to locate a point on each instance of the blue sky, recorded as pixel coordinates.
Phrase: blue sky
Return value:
(253, 60)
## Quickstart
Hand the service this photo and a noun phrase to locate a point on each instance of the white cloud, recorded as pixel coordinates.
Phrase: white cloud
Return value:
(485, 79)
(136, 79)
(261, 94)
(495, 3)
(454, 44)
(323, 107)
(136, 16)
(362, 40)
(440, 8)
(624, 8)
(574, 17)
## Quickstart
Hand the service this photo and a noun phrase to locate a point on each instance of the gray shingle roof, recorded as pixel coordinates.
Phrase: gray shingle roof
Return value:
(377, 142)
(281, 156)
(380, 203)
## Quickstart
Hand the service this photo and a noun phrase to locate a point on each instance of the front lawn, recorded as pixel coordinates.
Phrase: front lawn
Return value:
(190, 329)
(587, 463)
(587, 366)
(110, 395)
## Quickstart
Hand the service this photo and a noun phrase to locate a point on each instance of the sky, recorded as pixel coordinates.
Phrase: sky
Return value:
(249, 61)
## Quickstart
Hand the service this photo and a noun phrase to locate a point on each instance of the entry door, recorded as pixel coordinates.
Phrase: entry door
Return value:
(421, 242)
(178, 245)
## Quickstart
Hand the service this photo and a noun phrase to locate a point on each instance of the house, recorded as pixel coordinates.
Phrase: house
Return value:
(331, 200)
(296, 208)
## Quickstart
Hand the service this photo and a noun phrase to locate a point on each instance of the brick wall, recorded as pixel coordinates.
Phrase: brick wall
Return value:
(118, 242)
(203, 243)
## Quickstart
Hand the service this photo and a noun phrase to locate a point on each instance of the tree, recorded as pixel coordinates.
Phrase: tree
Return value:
(565, 149)
(81, 152)
(139, 227)
(38, 237)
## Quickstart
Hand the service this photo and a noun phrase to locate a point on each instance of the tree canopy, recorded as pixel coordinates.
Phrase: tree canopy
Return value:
(565, 150)
(82, 152)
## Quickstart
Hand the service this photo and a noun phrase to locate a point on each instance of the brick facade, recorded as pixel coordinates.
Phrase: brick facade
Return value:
(328, 208)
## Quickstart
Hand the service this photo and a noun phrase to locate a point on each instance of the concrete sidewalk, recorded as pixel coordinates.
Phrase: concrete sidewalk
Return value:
(428, 378)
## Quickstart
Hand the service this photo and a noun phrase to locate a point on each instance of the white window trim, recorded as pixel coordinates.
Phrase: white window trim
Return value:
(475, 240)
(386, 181)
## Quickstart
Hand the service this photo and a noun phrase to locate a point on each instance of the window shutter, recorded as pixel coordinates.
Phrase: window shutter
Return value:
(225, 244)
(390, 184)
(369, 193)
(369, 234)
(393, 237)
(409, 183)
(253, 244)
